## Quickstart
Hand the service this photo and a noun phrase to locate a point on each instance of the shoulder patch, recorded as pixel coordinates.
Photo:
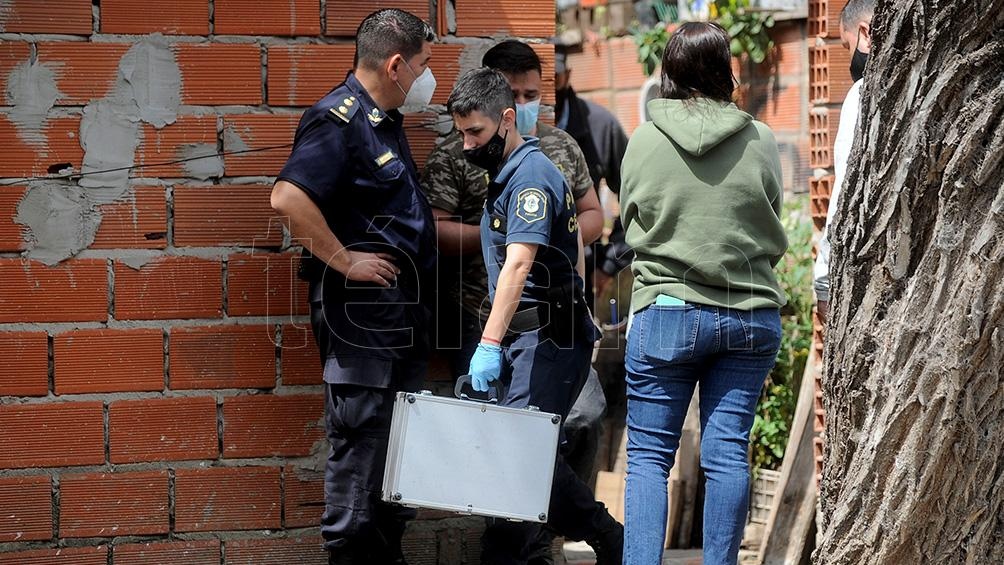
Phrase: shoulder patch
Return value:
(531, 205)
(344, 110)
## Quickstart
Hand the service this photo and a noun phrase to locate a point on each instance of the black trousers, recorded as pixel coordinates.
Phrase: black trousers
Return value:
(358, 420)
(538, 373)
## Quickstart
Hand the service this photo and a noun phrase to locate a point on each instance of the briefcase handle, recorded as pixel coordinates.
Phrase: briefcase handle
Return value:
(465, 391)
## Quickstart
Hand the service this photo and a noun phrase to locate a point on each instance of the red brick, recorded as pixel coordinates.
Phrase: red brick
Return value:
(12, 54)
(421, 139)
(509, 17)
(256, 131)
(782, 109)
(591, 68)
(265, 284)
(226, 498)
(206, 552)
(821, 188)
(264, 425)
(267, 17)
(26, 364)
(627, 110)
(84, 71)
(445, 65)
(31, 153)
(224, 215)
(73, 291)
(51, 16)
(178, 17)
(824, 17)
(51, 435)
(222, 357)
(139, 221)
(26, 507)
(188, 136)
(546, 53)
(299, 75)
(344, 17)
(164, 429)
(169, 287)
(217, 73)
(829, 74)
(287, 551)
(108, 361)
(304, 497)
(301, 362)
(820, 141)
(58, 556)
(113, 504)
(628, 72)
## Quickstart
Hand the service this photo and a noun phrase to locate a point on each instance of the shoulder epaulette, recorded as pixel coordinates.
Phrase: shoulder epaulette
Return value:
(344, 109)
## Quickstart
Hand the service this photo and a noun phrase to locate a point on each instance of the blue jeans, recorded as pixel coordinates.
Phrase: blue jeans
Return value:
(670, 350)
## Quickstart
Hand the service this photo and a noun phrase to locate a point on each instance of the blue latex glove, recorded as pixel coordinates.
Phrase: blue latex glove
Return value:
(486, 364)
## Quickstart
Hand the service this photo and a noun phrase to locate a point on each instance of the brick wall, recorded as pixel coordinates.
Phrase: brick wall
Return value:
(829, 81)
(160, 400)
(776, 92)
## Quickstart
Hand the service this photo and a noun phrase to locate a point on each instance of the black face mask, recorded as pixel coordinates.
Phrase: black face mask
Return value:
(489, 155)
(858, 62)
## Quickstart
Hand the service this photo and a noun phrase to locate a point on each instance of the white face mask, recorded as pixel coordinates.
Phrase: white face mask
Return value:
(420, 93)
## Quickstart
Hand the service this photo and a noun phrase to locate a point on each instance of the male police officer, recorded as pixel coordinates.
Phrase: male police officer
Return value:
(350, 194)
(539, 335)
(456, 190)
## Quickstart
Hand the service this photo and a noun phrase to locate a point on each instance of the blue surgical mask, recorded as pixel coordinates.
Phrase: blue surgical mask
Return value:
(526, 116)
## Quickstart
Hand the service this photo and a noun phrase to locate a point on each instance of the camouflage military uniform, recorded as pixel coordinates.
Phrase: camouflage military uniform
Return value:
(456, 186)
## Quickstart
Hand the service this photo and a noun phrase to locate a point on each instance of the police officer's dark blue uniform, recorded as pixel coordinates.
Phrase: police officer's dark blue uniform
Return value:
(354, 162)
(548, 347)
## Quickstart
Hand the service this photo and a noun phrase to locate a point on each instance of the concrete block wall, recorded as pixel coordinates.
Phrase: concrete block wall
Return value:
(160, 393)
(776, 92)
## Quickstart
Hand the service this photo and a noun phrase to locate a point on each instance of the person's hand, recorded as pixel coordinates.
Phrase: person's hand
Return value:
(486, 364)
(822, 309)
(371, 267)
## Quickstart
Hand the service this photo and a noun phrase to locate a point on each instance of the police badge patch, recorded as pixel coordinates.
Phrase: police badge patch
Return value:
(531, 205)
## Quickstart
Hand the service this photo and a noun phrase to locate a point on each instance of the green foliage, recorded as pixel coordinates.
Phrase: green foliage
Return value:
(651, 43)
(747, 27)
(776, 409)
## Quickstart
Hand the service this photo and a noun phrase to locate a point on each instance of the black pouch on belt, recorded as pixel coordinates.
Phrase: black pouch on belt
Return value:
(563, 315)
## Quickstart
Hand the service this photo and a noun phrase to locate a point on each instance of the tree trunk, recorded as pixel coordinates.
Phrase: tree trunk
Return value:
(914, 401)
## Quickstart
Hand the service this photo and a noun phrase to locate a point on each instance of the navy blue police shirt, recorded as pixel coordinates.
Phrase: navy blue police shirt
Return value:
(529, 202)
(354, 162)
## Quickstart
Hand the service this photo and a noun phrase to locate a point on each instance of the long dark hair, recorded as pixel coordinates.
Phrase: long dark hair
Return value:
(698, 63)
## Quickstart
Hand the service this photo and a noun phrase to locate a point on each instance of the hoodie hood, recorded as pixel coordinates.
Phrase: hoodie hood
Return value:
(699, 124)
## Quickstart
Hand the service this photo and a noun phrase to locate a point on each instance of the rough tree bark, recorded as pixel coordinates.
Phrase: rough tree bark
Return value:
(914, 469)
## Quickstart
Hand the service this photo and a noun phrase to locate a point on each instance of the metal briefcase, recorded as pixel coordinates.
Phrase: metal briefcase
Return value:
(470, 457)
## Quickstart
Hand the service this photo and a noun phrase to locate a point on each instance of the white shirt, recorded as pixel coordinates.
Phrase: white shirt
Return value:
(849, 114)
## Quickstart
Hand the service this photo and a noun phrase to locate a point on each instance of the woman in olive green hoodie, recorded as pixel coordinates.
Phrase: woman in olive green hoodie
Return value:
(700, 201)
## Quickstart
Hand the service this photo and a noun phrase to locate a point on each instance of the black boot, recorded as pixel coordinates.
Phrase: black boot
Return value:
(608, 544)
